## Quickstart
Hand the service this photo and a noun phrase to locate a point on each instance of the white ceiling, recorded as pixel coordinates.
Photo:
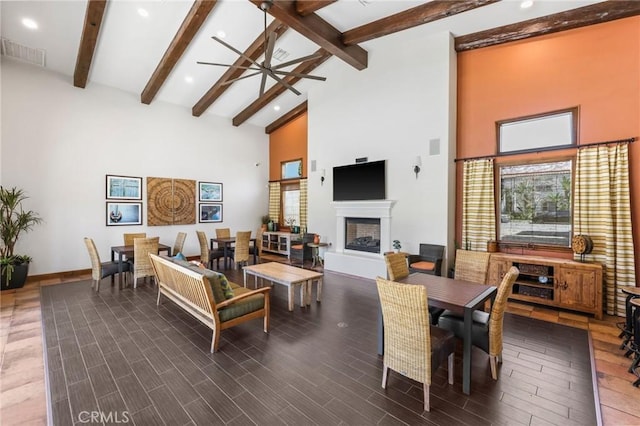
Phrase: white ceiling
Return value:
(130, 46)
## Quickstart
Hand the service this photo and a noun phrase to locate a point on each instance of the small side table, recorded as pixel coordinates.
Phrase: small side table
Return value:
(315, 247)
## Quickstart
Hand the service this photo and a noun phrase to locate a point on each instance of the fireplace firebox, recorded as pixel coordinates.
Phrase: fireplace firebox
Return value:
(362, 234)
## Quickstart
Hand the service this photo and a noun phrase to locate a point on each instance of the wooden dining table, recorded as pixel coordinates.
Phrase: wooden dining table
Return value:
(122, 251)
(461, 297)
(226, 244)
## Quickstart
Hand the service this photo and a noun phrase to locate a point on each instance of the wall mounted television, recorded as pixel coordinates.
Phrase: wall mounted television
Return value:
(360, 181)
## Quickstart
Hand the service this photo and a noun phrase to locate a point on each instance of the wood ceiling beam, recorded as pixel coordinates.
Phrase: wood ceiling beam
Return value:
(307, 7)
(419, 15)
(575, 18)
(190, 26)
(92, 22)
(254, 52)
(319, 31)
(294, 113)
(277, 89)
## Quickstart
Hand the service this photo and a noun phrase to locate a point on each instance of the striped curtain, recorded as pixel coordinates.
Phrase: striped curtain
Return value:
(603, 211)
(478, 205)
(274, 201)
(303, 203)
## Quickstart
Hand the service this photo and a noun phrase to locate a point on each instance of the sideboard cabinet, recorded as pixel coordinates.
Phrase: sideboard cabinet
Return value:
(277, 242)
(560, 283)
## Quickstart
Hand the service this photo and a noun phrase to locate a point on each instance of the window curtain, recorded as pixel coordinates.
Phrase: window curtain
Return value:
(274, 201)
(603, 212)
(478, 205)
(303, 204)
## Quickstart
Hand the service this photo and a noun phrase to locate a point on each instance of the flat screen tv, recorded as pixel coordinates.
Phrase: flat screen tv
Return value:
(360, 181)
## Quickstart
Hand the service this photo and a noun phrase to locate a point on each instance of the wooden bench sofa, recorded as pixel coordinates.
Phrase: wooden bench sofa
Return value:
(201, 293)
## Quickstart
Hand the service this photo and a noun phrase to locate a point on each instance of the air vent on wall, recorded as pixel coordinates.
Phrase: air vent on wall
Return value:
(22, 52)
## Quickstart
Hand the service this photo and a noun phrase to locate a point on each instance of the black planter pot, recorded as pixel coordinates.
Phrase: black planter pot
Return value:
(18, 277)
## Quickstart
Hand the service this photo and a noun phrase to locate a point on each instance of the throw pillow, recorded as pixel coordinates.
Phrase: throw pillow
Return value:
(179, 256)
(226, 288)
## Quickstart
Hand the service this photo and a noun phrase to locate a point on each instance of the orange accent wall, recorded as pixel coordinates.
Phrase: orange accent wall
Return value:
(287, 143)
(596, 68)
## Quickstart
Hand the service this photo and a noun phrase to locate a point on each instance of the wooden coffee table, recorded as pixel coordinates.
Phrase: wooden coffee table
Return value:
(289, 276)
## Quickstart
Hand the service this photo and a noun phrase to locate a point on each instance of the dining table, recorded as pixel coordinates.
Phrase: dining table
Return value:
(127, 251)
(226, 243)
(461, 297)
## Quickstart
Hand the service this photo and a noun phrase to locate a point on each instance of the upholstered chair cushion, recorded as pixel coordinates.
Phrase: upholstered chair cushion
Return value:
(423, 265)
(242, 307)
(479, 330)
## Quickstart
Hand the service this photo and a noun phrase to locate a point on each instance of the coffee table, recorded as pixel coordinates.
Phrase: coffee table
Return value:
(289, 276)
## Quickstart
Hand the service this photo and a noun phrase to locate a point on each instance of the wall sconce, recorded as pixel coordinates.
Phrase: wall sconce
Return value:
(322, 177)
(416, 166)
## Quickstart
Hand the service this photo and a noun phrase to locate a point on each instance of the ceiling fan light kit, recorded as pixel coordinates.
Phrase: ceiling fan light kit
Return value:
(266, 68)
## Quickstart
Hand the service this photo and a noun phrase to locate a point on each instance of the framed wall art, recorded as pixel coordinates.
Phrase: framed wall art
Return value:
(210, 212)
(209, 191)
(122, 214)
(124, 187)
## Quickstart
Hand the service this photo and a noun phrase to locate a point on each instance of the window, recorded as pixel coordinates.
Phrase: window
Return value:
(538, 132)
(292, 169)
(535, 203)
(290, 204)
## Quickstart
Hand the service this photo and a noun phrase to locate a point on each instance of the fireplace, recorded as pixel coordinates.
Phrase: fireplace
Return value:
(362, 234)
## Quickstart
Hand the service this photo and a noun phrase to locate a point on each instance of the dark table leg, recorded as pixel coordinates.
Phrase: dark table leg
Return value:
(226, 259)
(466, 353)
(255, 251)
(119, 270)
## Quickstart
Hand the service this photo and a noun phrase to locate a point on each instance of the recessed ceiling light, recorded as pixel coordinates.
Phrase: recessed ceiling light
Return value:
(188, 79)
(221, 34)
(143, 12)
(30, 23)
(276, 108)
(526, 4)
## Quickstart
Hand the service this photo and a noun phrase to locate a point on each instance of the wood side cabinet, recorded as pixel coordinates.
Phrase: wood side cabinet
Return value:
(560, 283)
(277, 242)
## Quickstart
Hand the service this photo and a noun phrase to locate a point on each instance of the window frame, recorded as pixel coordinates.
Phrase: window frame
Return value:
(498, 202)
(283, 164)
(286, 185)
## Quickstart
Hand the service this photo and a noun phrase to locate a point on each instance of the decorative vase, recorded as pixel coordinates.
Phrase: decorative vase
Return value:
(270, 226)
(18, 277)
(316, 239)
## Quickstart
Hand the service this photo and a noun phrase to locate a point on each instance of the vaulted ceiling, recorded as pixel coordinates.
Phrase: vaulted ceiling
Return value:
(151, 48)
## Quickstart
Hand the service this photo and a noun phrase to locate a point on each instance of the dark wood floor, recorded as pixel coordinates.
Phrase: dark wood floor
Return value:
(116, 352)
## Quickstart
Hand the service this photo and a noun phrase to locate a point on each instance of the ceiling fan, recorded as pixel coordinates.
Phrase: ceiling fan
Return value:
(266, 68)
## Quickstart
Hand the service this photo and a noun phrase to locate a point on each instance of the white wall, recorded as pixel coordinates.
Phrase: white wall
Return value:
(59, 142)
(390, 111)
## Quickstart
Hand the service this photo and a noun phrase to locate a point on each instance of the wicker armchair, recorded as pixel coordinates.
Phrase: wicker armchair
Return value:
(207, 256)
(487, 328)
(140, 265)
(300, 251)
(429, 261)
(397, 269)
(241, 253)
(472, 266)
(411, 346)
(100, 270)
(179, 244)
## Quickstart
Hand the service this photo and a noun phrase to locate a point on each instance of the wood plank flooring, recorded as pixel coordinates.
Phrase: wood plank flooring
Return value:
(356, 373)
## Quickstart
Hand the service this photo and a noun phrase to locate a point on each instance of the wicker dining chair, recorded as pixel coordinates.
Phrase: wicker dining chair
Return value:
(141, 264)
(178, 246)
(241, 252)
(412, 347)
(129, 237)
(225, 233)
(207, 256)
(100, 270)
(397, 269)
(487, 328)
(472, 266)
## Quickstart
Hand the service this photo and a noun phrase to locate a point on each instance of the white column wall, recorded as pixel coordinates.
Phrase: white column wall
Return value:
(59, 142)
(390, 111)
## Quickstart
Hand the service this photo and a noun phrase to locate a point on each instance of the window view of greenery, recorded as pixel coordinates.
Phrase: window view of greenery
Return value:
(535, 203)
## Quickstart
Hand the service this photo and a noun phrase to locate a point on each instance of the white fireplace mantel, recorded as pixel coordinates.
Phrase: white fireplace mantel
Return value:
(368, 265)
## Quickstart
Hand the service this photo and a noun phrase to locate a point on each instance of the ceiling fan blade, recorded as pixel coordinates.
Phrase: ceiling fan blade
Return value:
(228, 65)
(284, 83)
(271, 42)
(296, 61)
(295, 74)
(228, 46)
(233, 80)
(263, 83)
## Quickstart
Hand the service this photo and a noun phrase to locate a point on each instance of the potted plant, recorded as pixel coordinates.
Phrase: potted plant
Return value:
(396, 246)
(13, 222)
(265, 219)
